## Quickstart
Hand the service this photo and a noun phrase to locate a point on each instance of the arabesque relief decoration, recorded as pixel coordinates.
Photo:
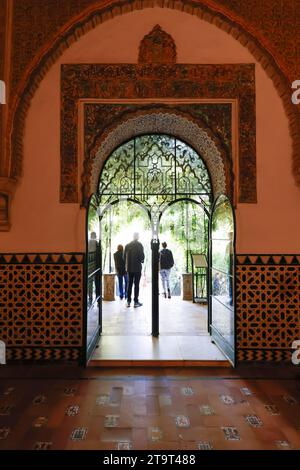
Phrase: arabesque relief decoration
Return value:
(156, 81)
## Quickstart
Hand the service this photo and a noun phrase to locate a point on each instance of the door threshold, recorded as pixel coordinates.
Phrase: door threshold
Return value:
(158, 363)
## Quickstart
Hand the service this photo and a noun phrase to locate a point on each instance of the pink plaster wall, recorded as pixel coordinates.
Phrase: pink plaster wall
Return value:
(40, 223)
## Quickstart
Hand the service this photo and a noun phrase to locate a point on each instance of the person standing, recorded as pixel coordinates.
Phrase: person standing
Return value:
(134, 257)
(166, 263)
(121, 271)
(92, 267)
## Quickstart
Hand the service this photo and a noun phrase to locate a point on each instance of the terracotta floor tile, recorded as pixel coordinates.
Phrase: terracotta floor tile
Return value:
(148, 406)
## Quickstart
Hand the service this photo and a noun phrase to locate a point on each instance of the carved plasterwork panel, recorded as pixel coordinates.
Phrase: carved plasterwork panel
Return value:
(156, 82)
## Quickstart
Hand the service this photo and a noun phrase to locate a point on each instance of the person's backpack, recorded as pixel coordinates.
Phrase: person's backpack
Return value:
(166, 259)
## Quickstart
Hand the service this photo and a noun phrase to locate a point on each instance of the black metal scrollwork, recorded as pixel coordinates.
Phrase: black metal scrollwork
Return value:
(156, 170)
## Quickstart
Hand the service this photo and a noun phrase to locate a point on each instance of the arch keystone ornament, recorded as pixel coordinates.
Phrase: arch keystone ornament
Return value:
(157, 47)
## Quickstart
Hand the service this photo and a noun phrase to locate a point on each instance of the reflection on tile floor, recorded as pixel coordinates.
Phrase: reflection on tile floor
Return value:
(126, 332)
(163, 348)
(177, 317)
(155, 411)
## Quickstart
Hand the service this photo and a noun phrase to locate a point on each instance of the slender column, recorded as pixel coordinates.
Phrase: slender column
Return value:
(155, 289)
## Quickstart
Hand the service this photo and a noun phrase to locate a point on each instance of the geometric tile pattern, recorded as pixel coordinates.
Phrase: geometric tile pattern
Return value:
(267, 306)
(41, 303)
(143, 419)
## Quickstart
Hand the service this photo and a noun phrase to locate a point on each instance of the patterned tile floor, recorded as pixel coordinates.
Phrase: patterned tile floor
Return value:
(61, 408)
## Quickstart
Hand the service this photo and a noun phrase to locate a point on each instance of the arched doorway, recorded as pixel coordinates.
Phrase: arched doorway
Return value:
(154, 171)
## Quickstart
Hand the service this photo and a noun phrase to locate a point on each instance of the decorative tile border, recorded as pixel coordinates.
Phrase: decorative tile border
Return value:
(42, 258)
(41, 306)
(267, 306)
(43, 354)
(264, 355)
(267, 260)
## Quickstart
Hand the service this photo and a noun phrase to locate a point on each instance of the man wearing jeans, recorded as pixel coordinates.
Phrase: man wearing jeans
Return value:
(166, 262)
(134, 257)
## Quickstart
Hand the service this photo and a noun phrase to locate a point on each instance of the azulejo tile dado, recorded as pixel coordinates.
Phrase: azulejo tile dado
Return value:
(267, 306)
(39, 281)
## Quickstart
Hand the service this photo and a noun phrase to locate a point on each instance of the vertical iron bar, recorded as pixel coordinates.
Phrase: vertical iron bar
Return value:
(134, 157)
(187, 234)
(175, 155)
(99, 283)
(109, 241)
(155, 293)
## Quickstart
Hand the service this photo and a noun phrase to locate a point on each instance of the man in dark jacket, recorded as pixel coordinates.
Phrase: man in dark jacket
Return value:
(134, 257)
(121, 271)
(166, 263)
